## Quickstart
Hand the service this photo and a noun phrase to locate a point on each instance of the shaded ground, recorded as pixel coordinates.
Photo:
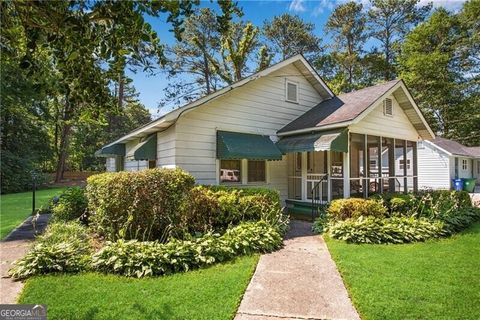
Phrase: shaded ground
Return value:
(432, 280)
(299, 281)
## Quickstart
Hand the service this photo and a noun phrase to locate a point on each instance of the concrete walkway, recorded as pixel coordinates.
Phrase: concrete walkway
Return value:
(299, 281)
(12, 248)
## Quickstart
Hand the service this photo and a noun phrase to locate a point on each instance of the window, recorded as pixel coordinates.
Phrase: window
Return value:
(152, 164)
(256, 171)
(388, 107)
(230, 171)
(291, 91)
(402, 164)
(464, 164)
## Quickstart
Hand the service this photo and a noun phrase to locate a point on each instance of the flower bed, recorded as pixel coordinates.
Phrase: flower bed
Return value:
(398, 218)
(152, 223)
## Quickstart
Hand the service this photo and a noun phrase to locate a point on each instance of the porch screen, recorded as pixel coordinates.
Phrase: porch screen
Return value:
(318, 141)
(235, 145)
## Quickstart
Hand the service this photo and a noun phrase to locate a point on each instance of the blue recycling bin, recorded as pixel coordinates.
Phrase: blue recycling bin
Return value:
(457, 184)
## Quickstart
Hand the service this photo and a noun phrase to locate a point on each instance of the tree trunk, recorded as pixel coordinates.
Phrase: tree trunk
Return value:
(206, 72)
(120, 92)
(64, 139)
(62, 156)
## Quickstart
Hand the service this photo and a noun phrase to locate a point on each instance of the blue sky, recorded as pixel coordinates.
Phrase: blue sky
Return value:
(151, 88)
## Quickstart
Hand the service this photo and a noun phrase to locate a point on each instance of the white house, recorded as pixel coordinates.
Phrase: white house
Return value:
(442, 160)
(283, 128)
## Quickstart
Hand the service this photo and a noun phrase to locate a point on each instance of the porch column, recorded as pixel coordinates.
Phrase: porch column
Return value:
(329, 171)
(346, 175)
(304, 176)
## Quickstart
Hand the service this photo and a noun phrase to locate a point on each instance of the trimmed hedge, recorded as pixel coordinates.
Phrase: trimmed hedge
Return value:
(160, 204)
(64, 247)
(144, 205)
(140, 259)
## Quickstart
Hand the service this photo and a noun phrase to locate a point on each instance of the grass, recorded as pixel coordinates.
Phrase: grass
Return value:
(432, 280)
(15, 207)
(212, 293)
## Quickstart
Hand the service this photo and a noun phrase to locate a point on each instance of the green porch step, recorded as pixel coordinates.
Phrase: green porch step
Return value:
(299, 209)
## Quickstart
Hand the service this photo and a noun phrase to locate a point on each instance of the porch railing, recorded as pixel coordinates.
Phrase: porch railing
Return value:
(317, 195)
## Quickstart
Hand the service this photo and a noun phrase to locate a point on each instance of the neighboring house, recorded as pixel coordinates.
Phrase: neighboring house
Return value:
(283, 128)
(442, 160)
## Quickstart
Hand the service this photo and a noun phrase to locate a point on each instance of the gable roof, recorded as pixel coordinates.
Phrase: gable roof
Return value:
(454, 148)
(170, 118)
(343, 108)
(350, 108)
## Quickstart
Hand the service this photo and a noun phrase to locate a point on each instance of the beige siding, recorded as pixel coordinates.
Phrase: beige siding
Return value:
(258, 107)
(130, 164)
(434, 168)
(378, 124)
(166, 148)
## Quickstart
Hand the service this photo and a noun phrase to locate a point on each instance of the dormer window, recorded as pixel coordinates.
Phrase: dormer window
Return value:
(388, 107)
(291, 91)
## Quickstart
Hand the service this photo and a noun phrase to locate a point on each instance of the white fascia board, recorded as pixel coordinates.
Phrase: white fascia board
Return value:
(322, 128)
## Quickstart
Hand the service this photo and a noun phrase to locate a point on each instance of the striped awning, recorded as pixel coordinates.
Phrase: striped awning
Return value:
(236, 145)
(316, 141)
(115, 150)
(145, 150)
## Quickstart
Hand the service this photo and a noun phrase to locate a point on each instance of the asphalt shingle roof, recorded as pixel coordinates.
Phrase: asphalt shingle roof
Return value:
(456, 148)
(342, 108)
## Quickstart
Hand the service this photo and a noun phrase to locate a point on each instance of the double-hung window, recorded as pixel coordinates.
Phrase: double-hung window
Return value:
(243, 171)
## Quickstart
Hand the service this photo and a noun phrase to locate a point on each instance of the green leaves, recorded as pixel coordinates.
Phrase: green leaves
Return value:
(142, 259)
(64, 247)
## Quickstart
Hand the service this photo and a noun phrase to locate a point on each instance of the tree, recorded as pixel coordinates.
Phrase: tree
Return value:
(389, 21)
(347, 24)
(433, 67)
(290, 35)
(88, 44)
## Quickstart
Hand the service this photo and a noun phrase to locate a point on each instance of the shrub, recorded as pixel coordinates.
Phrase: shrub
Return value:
(342, 209)
(64, 247)
(139, 259)
(216, 208)
(272, 195)
(138, 205)
(71, 204)
(460, 219)
(387, 230)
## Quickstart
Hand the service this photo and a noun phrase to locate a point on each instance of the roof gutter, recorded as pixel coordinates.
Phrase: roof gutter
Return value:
(314, 129)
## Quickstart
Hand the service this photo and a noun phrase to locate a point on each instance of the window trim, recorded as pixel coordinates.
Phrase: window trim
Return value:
(287, 82)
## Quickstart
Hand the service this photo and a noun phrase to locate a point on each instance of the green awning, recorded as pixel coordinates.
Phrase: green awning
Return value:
(317, 141)
(235, 145)
(115, 150)
(145, 150)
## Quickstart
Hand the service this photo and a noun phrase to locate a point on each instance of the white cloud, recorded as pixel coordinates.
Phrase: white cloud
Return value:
(297, 6)
(447, 4)
(322, 7)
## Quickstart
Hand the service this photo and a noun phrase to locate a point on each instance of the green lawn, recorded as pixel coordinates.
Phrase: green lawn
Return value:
(212, 293)
(433, 280)
(15, 207)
